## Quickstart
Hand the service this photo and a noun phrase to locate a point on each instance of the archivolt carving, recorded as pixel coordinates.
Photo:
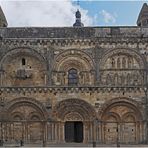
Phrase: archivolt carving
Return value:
(22, 51)
(73, 116)
(17, 116)
(118, 66)
(76, 58)
(119, 104)
(129, 117)
(10, 106)
(76, 106)
(34, 116)
(127, 52)
(111, 116)
(23, 67)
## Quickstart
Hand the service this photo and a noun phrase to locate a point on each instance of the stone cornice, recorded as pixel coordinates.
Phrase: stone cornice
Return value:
(89, 42)
(65, 89)
(73, 32)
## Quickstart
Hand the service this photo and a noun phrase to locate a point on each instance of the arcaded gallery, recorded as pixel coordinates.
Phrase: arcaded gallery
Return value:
(74, 84)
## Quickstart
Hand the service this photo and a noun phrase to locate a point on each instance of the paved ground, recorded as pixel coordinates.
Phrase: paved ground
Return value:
(72, 145)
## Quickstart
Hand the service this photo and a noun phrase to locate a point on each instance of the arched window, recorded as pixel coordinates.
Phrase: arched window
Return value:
(108, 80)
(113, 63)
(23, 61)
(116, 79)
(72, 77)
(128, 81)
(130, 62)
(123, 62)
(118, 63)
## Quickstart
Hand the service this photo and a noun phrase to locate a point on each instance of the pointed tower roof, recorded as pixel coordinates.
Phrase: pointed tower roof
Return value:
(78, 20)
(3, 21)
(143, 16)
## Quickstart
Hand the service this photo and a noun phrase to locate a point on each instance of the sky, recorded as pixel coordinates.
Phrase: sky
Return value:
(61, 13)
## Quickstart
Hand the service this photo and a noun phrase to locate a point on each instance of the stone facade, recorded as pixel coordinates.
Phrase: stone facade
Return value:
(58, 83)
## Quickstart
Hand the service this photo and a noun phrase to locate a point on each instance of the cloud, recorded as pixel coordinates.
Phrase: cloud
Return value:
(42, 13)
(108, 17)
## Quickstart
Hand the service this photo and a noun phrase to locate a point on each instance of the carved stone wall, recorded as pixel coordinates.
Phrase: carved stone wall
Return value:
(108, 96)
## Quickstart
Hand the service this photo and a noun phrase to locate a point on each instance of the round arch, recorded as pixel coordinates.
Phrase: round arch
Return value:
(17, 116)
(34, 116)
(24, 51)
(38, 106)
(121, 102)
(70, 57)
(114, 115)
(125, 116)
(77, 107)
(129, 52)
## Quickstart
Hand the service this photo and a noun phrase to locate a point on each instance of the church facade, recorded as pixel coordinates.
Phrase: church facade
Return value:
(74, 84)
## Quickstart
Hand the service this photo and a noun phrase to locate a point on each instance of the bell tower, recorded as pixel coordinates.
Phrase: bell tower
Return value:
(143, 16)
(3, 21)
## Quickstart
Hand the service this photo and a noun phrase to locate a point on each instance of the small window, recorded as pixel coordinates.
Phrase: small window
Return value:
(23, 61)
(118, 63)
(113, 62)
(72, 77)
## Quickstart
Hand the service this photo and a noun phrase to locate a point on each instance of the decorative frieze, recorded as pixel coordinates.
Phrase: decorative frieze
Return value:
(110, 42)
(65, 89)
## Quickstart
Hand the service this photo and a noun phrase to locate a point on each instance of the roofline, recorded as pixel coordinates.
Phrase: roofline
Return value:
(74, 27)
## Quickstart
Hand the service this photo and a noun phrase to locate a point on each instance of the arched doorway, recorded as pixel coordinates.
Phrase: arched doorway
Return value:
(74, 131)
(77, 115)
(73, 127)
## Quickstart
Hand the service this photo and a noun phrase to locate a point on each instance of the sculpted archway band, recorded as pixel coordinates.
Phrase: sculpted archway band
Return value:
(28, 120)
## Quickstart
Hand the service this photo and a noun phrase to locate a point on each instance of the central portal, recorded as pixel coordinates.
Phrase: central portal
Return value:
(74, 131)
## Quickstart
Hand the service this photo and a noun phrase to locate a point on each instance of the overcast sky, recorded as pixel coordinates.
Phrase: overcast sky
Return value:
(41, 13)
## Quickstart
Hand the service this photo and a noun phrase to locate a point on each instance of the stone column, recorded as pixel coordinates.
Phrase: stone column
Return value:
(98, 130)
(62, 134)
(87, 127)
(137, 125)
(94, 128)
(103, 132)
(43, 134)
(50, 58)
(96, 57)
(142, 131)
(85, 132)
(1, 76)
(145, 89)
